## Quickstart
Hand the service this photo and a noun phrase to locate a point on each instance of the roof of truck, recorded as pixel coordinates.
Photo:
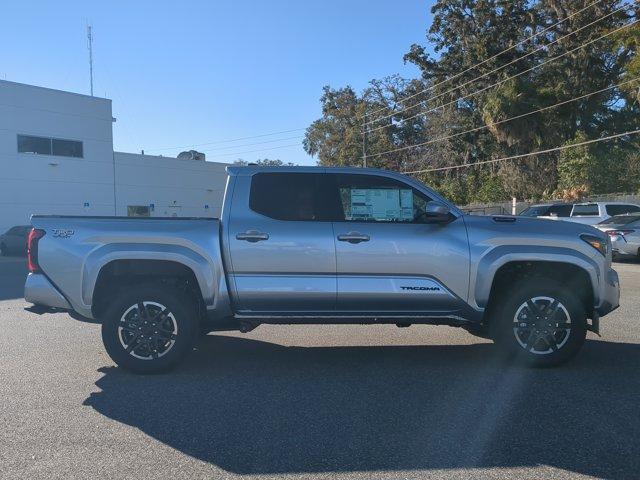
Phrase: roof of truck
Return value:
(251, 169)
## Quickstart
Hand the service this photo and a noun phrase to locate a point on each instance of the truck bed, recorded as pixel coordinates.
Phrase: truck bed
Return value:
(74, 250)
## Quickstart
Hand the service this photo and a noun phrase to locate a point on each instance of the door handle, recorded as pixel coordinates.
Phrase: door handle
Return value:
(252, 236)
(353, 237)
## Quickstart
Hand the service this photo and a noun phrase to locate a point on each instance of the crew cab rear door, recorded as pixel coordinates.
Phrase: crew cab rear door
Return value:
(388, 259)
(281, 245)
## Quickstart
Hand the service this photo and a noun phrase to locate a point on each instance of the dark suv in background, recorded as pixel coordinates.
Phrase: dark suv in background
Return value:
(548, 210)
(14, 240)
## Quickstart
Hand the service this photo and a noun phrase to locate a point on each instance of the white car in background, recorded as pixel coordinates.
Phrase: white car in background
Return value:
(624, 231)
(588, 213)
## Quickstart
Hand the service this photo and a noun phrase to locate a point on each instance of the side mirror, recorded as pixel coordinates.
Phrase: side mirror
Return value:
(436, 212)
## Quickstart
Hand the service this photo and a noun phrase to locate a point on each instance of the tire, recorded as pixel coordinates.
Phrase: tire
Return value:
(525, 324)
(164, 318)
(3, 250)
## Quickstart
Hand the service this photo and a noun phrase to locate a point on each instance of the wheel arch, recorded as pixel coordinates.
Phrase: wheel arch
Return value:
(567, 273)
(119, 272)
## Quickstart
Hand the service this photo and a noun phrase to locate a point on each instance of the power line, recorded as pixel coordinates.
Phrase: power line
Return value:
(522, 42)
(228, 141)
(255, 151)
(524, 155)
(500, 122)
(535, 67)
(254, 143)
(497, 69)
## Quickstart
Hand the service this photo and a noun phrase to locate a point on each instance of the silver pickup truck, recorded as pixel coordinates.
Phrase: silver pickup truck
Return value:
(311, 245)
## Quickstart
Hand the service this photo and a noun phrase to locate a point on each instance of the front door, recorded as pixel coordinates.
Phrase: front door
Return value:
(281, 245)
(388, 258)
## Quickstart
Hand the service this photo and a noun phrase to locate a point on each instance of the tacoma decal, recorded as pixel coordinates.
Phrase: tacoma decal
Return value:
(427, 289)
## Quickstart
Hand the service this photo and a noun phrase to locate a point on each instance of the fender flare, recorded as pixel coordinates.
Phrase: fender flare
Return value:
(204, 271)
(490, 263)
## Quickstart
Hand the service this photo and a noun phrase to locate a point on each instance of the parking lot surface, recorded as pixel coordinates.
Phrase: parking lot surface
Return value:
(322, 401)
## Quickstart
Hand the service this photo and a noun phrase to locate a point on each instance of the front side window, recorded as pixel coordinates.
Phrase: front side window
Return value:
(371, 198)
(585, 210)
(49, 146)
(286, 196)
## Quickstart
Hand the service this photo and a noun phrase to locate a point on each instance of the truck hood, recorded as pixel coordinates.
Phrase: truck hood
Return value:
(513, 230)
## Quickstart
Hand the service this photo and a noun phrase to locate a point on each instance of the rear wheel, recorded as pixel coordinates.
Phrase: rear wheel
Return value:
(149, 328)
(540, 322)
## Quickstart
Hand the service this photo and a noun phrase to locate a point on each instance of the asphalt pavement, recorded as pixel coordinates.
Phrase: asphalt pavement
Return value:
(315, 402)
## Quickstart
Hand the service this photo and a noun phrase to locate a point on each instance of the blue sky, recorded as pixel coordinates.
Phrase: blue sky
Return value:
(195, 72)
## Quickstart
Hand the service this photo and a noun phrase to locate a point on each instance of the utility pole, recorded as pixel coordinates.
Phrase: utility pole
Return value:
(364, 140)
(90, 45)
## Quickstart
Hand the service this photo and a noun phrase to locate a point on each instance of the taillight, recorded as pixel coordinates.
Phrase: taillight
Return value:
(32, 249)
(619, 233)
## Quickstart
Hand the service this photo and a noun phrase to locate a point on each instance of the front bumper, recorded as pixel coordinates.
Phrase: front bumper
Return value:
(40, 291)
(609, 293)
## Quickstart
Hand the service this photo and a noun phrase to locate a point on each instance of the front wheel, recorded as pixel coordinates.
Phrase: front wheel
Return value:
(149, 328)
(540, 322)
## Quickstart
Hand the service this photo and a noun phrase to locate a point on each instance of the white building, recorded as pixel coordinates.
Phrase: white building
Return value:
(56, 157)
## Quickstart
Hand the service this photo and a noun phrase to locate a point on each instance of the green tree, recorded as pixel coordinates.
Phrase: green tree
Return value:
(459, 112)
(597, 168)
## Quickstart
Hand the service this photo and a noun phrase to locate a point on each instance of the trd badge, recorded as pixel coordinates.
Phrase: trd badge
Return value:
(62, 232)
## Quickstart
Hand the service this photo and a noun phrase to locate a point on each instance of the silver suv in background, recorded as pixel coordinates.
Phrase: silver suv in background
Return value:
(624, 231)
(588, 213)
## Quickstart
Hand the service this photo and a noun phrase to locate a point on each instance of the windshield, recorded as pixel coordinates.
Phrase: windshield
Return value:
(621, 220)
(535, 211)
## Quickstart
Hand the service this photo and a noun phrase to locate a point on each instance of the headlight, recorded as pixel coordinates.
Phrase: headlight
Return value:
(597, 243)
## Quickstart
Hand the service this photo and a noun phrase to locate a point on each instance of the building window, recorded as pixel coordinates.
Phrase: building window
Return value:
(49, 146)
(39, 145)
(66, 148)
(138, 211)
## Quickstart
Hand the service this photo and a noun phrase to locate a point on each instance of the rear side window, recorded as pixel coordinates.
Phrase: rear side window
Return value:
(621, 209)
(560, 210)
(371, 198)
(585, 210)
(286, 196)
